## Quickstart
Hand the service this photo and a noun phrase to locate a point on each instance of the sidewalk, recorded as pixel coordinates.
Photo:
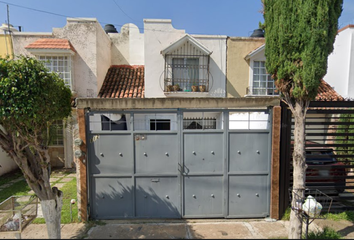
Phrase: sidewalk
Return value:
(173, 229)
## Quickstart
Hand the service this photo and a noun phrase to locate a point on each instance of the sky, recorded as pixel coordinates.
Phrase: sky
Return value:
(235, 18)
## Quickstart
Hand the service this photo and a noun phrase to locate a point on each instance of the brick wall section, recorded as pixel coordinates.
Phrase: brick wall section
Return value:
(82, 187)
(275, 163)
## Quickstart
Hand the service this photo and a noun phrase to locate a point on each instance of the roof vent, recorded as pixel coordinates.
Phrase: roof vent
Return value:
(257, 33)
(109, 28)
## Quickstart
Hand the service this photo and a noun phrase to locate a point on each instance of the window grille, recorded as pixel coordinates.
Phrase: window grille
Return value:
(186, 71)
(57, 135)
(262, 83)
(199, 123)
(60, 65)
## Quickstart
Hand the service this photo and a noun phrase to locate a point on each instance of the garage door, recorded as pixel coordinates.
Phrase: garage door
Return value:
(182, 164)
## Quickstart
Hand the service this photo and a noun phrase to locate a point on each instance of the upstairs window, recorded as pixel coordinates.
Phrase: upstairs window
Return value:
(60, 65)
(262, 82)
(186, 66)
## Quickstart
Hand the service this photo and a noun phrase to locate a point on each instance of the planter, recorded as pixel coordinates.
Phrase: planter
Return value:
(175, 88)
(202, 88)
(194, 88)
(169, 88)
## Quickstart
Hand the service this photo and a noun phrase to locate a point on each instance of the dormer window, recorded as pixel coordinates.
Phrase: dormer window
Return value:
(56, 55)
(186, 65)
(260, 82)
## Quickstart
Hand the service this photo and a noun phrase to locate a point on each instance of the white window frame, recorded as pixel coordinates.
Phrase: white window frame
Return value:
(251, 79)
(59, 139)
(66, 74)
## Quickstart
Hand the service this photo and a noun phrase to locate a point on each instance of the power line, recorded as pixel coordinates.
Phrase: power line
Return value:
(123, 11)
(61, 15)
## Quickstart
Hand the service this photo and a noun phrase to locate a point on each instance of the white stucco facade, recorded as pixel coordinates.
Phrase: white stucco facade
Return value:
(127, 46)
(160, 34)
(340, 69)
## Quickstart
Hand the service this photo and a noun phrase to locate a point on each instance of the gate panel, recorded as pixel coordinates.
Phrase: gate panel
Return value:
(249, 152)
(156, 153)
(203, 152)
(203, 196)
(157, 197)
(113, 198)
(248, 196)
(112, 154)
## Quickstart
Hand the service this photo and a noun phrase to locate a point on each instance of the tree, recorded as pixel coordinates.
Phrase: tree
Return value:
(299, 37)
(31, 99)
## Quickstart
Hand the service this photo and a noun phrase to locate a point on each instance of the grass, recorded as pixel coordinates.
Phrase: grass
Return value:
(346, 215)
(327, 233)
(21, 188)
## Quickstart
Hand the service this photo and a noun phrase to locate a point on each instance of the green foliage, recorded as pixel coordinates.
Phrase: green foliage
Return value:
(299, 37)
(30, 96)
(346, 139)
(327, 233)
(286, 216)
(346, 215)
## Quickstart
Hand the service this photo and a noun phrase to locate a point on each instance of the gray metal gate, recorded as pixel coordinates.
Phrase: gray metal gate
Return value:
(178, 164)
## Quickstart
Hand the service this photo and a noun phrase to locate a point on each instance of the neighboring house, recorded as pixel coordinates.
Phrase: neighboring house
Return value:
(6, 163)
(80, 53)
(340, 73)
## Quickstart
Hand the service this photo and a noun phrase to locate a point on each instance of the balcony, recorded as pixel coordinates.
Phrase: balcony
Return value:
(186, 73)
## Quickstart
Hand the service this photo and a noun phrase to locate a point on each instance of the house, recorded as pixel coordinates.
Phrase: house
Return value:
(148, 150)
(340, 63)
(6, 163)
(145, 144)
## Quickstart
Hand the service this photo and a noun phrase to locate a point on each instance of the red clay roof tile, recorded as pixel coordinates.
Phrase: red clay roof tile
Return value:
(123, 81)
(51, 43)
(327, 93)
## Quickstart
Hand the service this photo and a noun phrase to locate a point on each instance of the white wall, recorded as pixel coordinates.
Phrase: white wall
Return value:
(127, 46)
(340, 69)
(158, 35)
(93, 57)
(6, 163)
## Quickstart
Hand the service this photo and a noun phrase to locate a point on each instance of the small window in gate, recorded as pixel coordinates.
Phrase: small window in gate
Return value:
(249, 120)
(202, 120)
(160, 124)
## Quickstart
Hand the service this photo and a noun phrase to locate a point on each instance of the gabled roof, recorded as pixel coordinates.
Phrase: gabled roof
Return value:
(51, 44)
(185, 39)
(327, 93)
(123, 81)
(255, 52)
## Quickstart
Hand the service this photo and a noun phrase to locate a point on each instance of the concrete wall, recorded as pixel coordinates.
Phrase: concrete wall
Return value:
(238, 69)
(127, 46)
(5, 45)
(6, 163)
(158, 35)
(340, 69)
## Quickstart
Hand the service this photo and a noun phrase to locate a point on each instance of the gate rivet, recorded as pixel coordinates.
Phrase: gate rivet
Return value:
(167, 196)
(212, 195)
(101, 154)
(194, 196)
(166, 153)
(238, 195)
(121, 196)
(239, 152)
(193, 152)
(120, 154)
(258, 151)
(145, 154)
(145, 196)
(212, 152)
(257, 194)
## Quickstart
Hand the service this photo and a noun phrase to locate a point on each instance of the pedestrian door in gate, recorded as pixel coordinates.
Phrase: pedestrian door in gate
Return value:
(190, 164)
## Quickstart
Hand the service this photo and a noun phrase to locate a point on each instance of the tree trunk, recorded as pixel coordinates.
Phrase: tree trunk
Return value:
(52, 214)
(299, 169)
